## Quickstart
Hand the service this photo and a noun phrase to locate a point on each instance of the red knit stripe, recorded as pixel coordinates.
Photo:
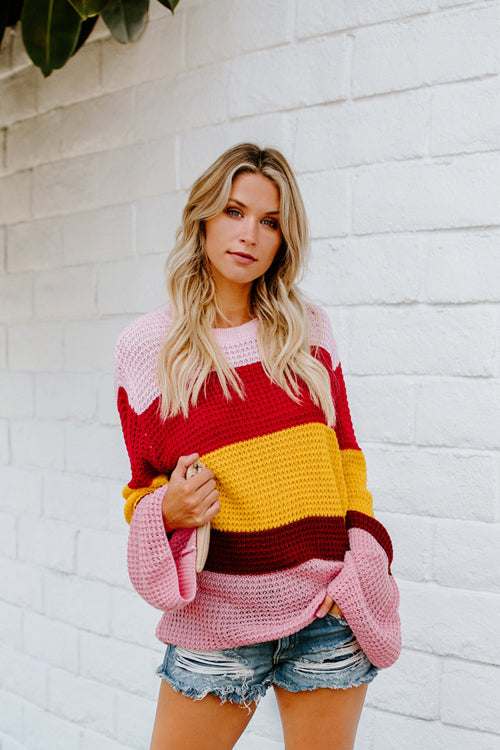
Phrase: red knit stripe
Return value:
(214, 422)
(344, 428)
(276, 549)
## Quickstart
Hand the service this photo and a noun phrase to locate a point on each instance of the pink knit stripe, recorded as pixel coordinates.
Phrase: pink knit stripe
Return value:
(162, 573)
(322, 334)
(236, 334)
(252, 612)
(369, 598)
(250, 606)
(136, 354)
(355, 519)
(255, 608)
(139, 343)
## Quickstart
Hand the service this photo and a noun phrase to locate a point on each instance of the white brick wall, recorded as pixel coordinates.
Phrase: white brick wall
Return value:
(389, 112)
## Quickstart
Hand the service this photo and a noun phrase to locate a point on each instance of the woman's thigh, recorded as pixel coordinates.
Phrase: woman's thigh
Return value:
(207, 698)
(321, 719)
(208, 724)
(321, 681)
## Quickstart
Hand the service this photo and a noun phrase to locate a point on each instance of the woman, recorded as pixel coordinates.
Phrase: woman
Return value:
(240, 371)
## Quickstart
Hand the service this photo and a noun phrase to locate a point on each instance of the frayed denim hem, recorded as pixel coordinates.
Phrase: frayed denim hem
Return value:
(369, 677)
(243, 697)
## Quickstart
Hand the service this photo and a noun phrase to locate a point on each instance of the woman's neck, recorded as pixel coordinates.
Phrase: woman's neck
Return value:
(236, 312)
(234, 319)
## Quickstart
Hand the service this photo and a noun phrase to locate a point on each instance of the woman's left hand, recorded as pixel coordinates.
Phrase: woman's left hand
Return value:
(328, 605)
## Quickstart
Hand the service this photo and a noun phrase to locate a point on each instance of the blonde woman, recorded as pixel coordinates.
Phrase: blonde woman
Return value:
(240, 371)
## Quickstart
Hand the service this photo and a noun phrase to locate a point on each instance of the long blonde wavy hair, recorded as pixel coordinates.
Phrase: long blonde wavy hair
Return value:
(189, 351)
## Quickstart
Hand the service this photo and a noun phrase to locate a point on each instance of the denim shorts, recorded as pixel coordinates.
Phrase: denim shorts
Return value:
(323, 654)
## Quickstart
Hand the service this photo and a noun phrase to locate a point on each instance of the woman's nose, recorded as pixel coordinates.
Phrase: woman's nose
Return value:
(249, 231)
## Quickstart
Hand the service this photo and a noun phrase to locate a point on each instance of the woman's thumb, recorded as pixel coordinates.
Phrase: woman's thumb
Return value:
(182, 464)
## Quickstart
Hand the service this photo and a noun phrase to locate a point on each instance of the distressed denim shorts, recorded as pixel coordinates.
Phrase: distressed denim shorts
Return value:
(323, 654)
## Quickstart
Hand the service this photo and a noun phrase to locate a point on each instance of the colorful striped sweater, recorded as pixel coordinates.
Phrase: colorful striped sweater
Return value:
(296, 519)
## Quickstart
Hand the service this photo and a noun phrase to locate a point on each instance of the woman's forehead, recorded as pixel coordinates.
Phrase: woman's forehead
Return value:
(256, 188)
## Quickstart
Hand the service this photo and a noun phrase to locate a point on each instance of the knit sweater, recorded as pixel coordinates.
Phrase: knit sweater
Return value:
(296, 519)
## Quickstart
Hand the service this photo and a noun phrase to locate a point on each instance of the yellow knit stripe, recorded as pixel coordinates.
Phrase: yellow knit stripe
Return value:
(132, 496)
(354, 466)
(251, 486)
(257, 492)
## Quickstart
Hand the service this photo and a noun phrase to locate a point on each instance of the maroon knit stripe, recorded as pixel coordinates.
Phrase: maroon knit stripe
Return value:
(275, 549)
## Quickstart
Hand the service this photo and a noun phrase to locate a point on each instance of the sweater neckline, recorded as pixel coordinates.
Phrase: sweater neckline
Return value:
(237, 333)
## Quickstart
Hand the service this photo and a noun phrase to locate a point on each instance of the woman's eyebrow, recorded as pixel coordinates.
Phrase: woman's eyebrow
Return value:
(244, 206)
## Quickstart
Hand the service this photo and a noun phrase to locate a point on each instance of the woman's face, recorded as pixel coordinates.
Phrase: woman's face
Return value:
(242, 241)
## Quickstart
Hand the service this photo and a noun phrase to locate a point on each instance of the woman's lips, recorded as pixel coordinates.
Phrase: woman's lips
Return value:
(242, 258)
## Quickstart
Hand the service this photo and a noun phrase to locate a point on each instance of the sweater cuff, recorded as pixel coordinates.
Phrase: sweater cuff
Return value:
(163, 572)
(133, 495)
(369, 598)
(357, 520)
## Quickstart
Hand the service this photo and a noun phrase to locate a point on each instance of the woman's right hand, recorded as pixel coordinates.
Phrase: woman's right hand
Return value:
(189, 502)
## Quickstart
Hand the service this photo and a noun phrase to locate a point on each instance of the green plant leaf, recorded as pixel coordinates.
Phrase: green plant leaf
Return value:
(87, 8)
(85, 32)
(10, 13)
(50, 30)
(170, 4)
(126, 18)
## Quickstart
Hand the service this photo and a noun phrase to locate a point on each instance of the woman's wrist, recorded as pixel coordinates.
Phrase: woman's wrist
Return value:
(168, 529)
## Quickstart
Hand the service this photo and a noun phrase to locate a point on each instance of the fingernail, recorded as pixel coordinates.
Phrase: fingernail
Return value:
(320, 612)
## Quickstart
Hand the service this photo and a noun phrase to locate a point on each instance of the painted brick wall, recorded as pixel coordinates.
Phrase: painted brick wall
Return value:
(390, 114)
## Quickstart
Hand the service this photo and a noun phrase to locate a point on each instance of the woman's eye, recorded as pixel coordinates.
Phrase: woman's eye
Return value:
(273, 224)
(236, 212)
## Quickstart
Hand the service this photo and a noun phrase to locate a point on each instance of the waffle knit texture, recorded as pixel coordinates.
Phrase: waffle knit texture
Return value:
(296, 520)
